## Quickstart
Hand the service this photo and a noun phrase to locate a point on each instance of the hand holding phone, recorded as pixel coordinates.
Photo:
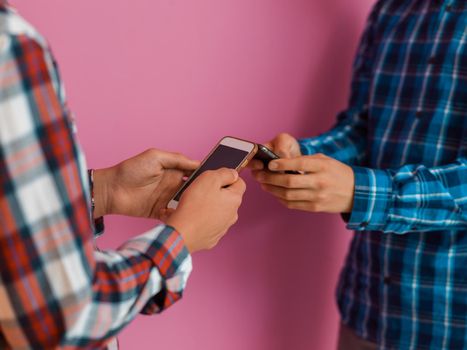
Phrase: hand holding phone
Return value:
(208, 208)
(265, 155)
(230, 152)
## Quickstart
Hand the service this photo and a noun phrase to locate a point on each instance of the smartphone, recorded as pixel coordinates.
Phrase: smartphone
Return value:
(265, 155)
(230, 152)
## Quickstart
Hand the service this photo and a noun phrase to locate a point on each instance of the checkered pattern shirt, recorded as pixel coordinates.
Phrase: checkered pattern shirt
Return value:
(404, 283)
(56, 291)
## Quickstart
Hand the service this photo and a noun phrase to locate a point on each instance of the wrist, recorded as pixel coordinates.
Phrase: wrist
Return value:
(185, 230)
(350, 194)
(102, 192)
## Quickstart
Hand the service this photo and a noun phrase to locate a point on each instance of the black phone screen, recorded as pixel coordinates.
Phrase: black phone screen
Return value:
(222, 157)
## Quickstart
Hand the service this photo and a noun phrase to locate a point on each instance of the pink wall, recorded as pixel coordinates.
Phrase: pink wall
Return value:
(179, 75)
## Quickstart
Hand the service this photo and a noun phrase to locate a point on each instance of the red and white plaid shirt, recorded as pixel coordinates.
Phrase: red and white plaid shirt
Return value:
(56, 291)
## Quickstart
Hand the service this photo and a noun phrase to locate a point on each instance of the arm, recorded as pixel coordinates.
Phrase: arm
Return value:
(54, 288)
(412, 198)
(347, 141)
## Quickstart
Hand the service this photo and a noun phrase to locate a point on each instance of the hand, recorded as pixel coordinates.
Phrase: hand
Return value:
(140, 186)
(207, 208)
(327, 185)
(284, 145)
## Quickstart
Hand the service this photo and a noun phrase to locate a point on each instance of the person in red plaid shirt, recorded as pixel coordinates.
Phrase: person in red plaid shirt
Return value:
(56, 290)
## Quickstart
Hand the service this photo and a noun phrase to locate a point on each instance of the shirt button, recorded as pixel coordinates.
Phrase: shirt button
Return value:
(364, 224)
(450, 8)
(419, 114)
(387, 280)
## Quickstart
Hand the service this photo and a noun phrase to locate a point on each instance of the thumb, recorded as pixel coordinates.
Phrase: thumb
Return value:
(284, 145)
(177, 161)
(281, 148)
(238, 187)
(225, 176)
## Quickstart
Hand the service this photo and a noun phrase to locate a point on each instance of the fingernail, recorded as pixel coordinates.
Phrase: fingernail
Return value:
(272, 165)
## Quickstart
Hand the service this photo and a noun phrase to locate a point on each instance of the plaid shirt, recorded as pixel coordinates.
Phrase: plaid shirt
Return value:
(56, 291)
(404, 284)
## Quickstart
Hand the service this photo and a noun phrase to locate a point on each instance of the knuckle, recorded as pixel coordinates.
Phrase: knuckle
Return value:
(290, 181)
(321, 182)
(204, 176)
(152, 151)
(321, 196)
(206, 173)
(288, 195)
(220, 172)
(242, 184)
(238, 201)
(320, 155)
(316, 207)
(302, 163)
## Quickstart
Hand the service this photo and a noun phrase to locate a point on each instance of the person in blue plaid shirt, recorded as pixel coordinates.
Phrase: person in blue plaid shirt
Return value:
(395, 166)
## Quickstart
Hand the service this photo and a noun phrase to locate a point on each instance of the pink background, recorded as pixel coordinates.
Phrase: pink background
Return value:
(179, 75)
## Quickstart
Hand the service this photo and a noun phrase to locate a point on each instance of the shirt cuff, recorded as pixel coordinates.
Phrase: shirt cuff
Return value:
(98, 226)
(306, 147)
(168, 252)
(166, 248)
(373, 198)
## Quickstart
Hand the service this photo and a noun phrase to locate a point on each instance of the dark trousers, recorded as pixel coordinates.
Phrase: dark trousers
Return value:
(348, 340)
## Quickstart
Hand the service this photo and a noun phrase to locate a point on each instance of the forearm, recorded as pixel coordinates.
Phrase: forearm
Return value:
(90, 301)
(345, 142)
(147, 274)
(412, 198)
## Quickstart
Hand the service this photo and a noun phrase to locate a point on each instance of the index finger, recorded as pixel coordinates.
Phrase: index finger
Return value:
(255, 164)
(306, 164)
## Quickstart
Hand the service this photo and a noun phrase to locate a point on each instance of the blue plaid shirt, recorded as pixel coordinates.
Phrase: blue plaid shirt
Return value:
(404, 284)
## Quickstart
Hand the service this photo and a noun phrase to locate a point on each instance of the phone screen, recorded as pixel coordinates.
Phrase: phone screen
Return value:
(222, 157)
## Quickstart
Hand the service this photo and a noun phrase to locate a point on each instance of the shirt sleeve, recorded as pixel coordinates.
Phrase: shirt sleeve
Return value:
(412, 198)
(347, 140)
(55, 289)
